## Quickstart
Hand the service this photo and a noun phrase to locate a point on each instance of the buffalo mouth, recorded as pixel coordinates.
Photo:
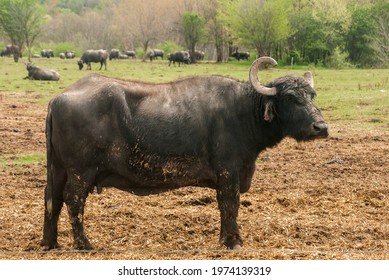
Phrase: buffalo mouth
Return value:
(318, 130)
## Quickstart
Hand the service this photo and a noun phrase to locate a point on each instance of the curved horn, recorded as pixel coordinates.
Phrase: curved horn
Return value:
(309, 78)
(254, 69)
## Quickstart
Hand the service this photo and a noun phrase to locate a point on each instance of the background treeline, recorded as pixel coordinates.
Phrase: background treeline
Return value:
(329, 33)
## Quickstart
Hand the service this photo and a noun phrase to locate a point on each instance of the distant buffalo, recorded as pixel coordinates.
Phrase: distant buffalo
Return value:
(158, 53)
(37, 73)
(93, 56)
(67, 54)
(47, 53)
(180, 57)
(114, 54)
(241, 55)
(131, 54)
(151, 55)
(198, 55)
(12, 50)
(70, 54)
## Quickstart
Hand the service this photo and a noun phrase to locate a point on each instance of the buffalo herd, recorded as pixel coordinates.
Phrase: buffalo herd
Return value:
(101, 56)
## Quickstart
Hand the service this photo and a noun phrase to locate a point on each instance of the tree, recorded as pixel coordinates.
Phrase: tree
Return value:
(380, 43)
(147, 22)
(22, 21)
(193, 31)
(360, 37)
(258, 23)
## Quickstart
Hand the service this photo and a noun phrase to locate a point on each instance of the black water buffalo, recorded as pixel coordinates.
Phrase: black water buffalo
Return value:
(37, 73)
(198, 55)
(131, 54)
(114, 54)
(47, 53)
(150, 55)
(70, 54)
(12, 50)
(148, 138)
(158, 53)
(180, 57)
(93, 56)
(241, 55)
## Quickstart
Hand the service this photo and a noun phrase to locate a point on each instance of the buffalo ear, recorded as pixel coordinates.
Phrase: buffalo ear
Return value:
(269, 114)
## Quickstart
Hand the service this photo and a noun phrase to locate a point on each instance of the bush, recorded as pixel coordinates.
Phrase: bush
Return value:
(169, 47)
(338, 60)
(292, 57)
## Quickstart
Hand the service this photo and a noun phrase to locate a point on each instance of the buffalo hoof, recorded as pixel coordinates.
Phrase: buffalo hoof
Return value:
(83, 245)
(47, 245)
(234, 243)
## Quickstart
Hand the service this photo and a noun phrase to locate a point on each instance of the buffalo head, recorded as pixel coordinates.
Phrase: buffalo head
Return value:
(289, 102)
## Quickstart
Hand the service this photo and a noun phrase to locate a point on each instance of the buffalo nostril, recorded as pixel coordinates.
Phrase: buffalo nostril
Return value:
(321, 128)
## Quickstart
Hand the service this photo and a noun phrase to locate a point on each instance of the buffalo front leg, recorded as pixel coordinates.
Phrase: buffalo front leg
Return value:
(228, 198)
(76, 192)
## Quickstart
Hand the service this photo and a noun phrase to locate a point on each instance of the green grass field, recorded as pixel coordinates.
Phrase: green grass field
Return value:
(352, 95)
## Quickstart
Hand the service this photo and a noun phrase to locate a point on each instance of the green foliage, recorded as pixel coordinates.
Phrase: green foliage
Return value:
(338, 60)
(65, 46)
(360, 36)
(169, 47)
(193, 29)
(258, 23)
(22, 21)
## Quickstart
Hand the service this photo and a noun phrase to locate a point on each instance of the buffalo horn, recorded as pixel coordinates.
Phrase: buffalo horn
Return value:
(257, 64)
(309, 78)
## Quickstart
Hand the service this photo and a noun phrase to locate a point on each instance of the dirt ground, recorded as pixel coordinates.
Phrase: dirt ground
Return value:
(326, 199)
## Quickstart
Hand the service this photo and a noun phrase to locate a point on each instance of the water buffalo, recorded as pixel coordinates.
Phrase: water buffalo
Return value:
(93, 56)
(148, 138)
(70, 54)
(158, 53)
(37, 73)
(241, 55)
(198, 55)
(12, 50)
(131, 54)
(180, 57)
(47, 53)
(150, 55)
(114, 54)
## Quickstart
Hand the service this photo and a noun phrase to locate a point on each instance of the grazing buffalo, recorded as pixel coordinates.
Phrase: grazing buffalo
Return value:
(70, 54)
(131, 54)
(12, 50)
(180, 57)
(241, 55)
(148, 138)
(47, 53)
(150, 55)
(37, 73)
(198, 55)
(114, 54)
(158, 53)
(93, 56)
(62, 55)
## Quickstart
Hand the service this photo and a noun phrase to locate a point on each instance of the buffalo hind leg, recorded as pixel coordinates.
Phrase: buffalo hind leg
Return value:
(76, 192)
(228, 197)
(53, 205)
